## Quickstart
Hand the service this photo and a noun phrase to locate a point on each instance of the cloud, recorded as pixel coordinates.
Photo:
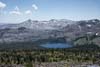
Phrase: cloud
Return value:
(16, 11)
(2, 5)
(35, 7)
(16, 8)
(28, 12)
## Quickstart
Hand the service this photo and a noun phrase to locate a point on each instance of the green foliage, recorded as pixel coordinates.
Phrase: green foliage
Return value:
(83, 53)
(29, 64)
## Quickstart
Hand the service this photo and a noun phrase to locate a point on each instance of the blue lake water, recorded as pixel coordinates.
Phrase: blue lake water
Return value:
(56, 45)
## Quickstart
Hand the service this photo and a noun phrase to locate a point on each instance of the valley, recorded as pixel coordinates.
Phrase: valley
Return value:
(35, 32)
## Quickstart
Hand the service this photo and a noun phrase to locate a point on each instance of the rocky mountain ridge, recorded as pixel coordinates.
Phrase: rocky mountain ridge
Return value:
(30, 30)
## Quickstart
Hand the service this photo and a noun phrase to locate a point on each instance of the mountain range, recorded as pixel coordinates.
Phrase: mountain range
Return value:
(34, 30)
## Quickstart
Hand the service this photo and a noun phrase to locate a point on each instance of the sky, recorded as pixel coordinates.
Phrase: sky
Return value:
(16, 11)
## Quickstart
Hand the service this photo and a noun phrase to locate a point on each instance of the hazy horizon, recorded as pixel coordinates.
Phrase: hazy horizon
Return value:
(16, 11)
